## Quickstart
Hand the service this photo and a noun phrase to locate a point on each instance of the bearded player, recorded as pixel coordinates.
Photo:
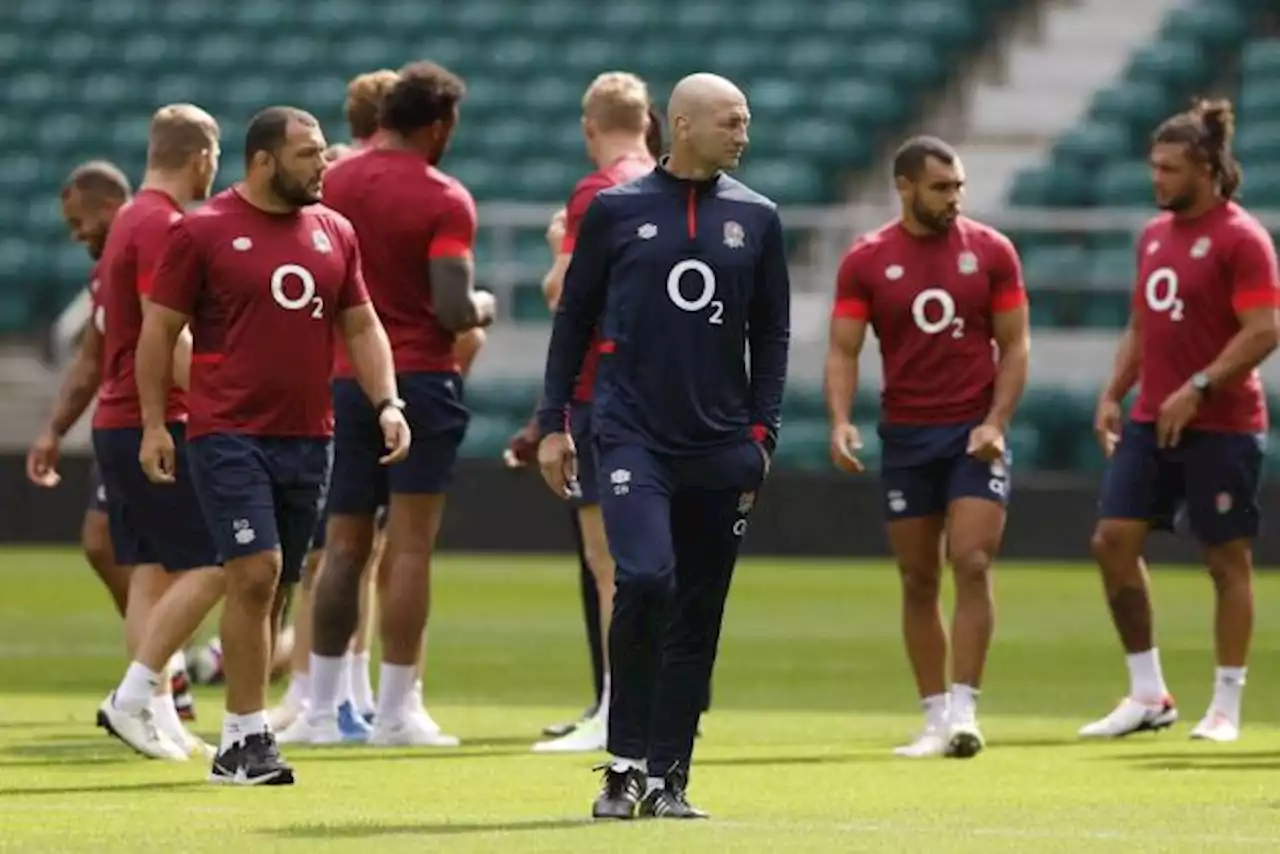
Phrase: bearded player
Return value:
(939, 290)
(417, 227)
(1203, 319)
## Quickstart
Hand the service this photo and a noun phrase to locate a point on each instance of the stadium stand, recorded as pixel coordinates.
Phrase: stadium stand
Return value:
(832, 86)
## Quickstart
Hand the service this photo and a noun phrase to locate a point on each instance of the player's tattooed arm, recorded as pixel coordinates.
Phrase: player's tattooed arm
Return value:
(457, 304)
(1257, 339)
(79, 384)
(370, 352)
(1011, 331)
(162, 329)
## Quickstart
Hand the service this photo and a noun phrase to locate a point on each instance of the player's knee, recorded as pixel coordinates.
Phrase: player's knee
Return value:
(653, 584)
(971, 566)
(1112, 543)
(921, 585)
(253, 582)
(1229, 566)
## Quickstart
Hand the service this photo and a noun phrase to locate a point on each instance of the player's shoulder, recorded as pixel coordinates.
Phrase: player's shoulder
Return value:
(149, 210)
(987, 238)
(1239, 221)
(873, 243)
(446, 189)
(732, 190)
(1157, 224)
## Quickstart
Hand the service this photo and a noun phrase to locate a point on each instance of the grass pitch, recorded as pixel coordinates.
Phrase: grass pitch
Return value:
(811, 693)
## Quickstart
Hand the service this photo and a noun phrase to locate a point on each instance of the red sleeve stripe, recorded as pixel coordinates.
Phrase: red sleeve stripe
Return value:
(567, 244)
(1009, 301)
(606, 346)
(1251, 299)
(144, 282)
(206, 358)
(852, 308)
(449, 247)
(759, 433)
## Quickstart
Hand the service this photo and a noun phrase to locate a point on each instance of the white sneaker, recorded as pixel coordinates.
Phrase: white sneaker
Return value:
(139, 731)
(1132, 716)
(932, 741)
(414, 729)
(196, 747)
(592, 734)
(965, 740)
(281, 717)
(312, 729)
(1216, 727)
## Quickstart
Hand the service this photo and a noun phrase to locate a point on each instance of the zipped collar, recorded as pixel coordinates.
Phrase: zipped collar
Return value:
(685, 186)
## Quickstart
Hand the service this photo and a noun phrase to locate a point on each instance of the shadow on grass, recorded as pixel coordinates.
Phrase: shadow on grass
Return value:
(77, 750)
(371, 831)
(103, 788)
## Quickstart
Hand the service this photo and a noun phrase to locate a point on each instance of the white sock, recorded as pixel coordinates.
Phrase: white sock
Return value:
(166, 718)
(395, 682)
(603, 711)
(1146, 681)
(621, 763)
(136, 688)
(299, 692)
(177, 662)
(236, 727)
(653, 784)
(344, 681)
(964, 702)
(361, 685)
(1228, 686)
(326, 679)
(936, 709)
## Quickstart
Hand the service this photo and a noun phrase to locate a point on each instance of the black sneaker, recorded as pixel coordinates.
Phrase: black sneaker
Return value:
(670, 801)
(252, 762)
(619, 794)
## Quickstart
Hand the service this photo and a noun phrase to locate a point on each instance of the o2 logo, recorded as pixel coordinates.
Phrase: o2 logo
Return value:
(1161, 293)
(280, 279)
(706, 297)
(946, 313)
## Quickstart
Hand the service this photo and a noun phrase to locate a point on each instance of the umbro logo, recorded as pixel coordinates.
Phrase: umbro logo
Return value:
(648, 231)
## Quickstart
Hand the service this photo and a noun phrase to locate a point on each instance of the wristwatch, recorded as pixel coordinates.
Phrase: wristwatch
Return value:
(390, 403)
(1200, 382)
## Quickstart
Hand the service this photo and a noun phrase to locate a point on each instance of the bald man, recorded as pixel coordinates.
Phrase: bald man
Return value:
(686, 416)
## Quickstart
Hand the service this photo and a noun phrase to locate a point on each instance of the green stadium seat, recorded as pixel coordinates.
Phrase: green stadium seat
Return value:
(914, 65)
(1180, 64)
(946, 24)
(1262, 183)
(1258, 141)
(862, 102)
(1218, 25)
(1139, 105)
(1125, 185)
(1259, 101)
(528, 303)
(1112, 269)
(487, 437)
(1093, 143)
(1055, 267)
(510, 400)
(1260, 60)
(1059, 185)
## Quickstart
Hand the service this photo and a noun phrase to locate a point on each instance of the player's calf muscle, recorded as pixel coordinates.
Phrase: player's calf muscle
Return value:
(336, 601)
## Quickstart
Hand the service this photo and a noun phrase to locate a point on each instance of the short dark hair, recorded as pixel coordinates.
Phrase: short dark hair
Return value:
(653, 136)
(1207, 129)
(910, 158)
(267, 129)
(426, 93)
(99, 179)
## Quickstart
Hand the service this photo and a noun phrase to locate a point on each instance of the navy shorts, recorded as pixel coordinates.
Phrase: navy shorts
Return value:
(649, 500)
(1211, 478)
(585, 491)
(152, 522)
(925, 467)
(97, 491)
(438, 420)
(261, 493)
